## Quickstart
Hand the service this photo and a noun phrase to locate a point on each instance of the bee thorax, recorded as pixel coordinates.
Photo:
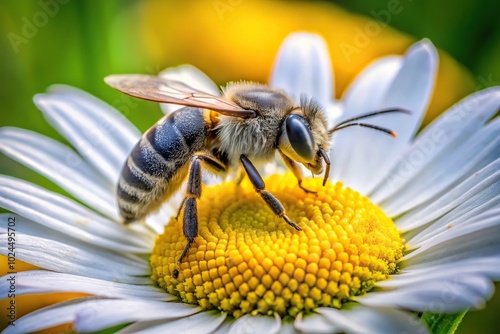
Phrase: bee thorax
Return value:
(251, 137)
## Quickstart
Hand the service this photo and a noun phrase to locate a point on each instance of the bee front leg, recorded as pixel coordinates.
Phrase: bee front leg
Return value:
(239, 176)
(296, 171)
(259, 185)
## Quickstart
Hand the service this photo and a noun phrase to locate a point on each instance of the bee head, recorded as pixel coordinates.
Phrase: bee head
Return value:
(304, 137)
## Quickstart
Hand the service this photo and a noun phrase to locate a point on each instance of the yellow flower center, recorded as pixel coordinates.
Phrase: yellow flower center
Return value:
(246, 260)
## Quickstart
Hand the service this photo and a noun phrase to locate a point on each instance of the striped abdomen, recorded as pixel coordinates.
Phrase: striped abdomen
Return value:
(159, 162)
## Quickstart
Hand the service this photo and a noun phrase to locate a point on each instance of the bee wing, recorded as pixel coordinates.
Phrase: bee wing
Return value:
(163, 90)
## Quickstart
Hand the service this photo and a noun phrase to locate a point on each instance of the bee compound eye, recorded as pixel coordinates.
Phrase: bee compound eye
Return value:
(300, 137)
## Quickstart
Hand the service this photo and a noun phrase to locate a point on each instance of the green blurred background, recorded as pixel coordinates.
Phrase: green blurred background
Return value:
(79, 42)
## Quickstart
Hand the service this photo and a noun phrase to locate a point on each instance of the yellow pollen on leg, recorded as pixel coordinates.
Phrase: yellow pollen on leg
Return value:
(246, 260)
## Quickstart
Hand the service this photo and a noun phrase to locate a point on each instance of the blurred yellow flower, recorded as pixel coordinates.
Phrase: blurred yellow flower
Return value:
(236, 39)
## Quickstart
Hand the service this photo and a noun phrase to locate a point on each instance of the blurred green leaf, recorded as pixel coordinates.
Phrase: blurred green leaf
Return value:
(443, 323)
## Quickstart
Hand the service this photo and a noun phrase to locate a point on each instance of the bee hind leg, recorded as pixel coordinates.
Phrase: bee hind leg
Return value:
(193, 192)
(259, 185)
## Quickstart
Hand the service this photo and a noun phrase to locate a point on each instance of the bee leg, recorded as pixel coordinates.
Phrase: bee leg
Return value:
(189, 225)
(193, 192)
(259, 186)
(296, 171)
(190, 217)
(239, 176)
(180, 208)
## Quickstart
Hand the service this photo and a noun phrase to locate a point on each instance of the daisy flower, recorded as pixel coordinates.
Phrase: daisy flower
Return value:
(407, 225)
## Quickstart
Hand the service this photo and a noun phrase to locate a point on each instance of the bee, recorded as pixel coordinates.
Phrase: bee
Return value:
(247, 124)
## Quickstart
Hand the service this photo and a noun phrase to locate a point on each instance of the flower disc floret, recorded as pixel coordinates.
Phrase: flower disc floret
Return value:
(246, 260)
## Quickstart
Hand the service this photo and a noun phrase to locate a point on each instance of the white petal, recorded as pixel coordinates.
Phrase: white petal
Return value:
(99, 133)
(288, 328)
(204, 322)
(362, 319)
(191, 76)
(256, 324)
(42, 281)
(224, 327)
(411, 90)
(108, 313)
(475, 240)
(412, 275)
(303, 67)
(477, 189)
(315, 323)
(66, 216)
(157, 220)
(456, 285)
(334, 112)
(363, 95)
(466, 213)
(448, 170)
(49, 316)
(60, 164)
(76, 261)
(446, 295)
(370, 86)
(439, 139)
(51, 250)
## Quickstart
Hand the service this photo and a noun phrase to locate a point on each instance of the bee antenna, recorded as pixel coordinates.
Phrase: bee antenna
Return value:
(374, 113)
(347, 123)
(370, 126)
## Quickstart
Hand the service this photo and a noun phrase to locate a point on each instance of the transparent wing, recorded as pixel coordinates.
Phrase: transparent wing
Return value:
(163, 90)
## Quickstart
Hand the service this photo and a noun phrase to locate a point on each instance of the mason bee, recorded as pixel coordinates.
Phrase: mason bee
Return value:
(247, 124)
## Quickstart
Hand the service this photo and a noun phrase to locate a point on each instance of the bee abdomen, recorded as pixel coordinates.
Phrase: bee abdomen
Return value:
(158, 163)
